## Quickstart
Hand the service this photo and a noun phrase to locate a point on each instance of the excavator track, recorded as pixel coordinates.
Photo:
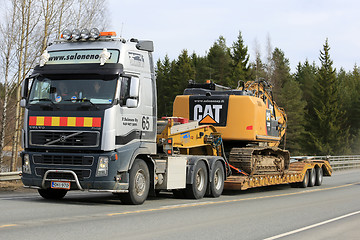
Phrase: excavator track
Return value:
(260, 160)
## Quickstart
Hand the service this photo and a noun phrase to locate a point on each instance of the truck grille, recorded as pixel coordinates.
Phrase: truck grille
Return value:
(81, 174)
(65, 138)
(63, 160)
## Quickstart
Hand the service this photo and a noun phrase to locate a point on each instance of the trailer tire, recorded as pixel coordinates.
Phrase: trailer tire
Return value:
(53, 194)
(319, 176)
(139, 184)
(305, 181)
(312, 177)
(217, 180)
(197, 189)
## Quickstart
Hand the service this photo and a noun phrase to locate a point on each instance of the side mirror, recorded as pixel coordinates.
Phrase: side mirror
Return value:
(24, 92)
(134, 87)
(25, 88)
(131, 103)
(23, 102)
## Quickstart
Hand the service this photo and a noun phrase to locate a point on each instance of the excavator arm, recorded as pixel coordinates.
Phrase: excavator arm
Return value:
(263, 90)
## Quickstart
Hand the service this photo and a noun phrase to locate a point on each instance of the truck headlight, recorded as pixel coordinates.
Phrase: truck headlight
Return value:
(26, 164)
(102, 168)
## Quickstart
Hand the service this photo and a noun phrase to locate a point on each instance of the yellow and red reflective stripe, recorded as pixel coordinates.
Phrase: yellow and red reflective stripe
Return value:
(64, 121)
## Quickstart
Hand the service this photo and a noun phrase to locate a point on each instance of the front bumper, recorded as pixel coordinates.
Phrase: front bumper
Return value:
(48, 167)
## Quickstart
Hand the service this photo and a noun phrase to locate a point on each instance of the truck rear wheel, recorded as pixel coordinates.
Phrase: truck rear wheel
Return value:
(139, 184)
(197, 189)
(217, 180)
(312, 177)
(305, 181)
(53, 194)
(319, 176)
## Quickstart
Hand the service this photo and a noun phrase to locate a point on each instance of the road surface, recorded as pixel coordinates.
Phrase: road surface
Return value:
(331, 211)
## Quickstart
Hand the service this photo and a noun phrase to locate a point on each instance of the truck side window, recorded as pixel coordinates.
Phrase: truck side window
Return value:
(124, 90)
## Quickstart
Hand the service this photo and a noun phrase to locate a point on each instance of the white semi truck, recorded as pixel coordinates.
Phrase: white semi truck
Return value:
(91, 124)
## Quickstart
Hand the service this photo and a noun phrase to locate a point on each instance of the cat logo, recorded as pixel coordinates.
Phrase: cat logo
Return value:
(209, 110)
(208, 114)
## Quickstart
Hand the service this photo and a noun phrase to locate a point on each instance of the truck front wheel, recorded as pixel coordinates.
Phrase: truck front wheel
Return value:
(197, 189)
(139, 184)
(53, 194)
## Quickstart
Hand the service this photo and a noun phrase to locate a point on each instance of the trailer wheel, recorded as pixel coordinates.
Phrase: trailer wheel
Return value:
(217, 180)
(53, 194)
(197, 190)
(139, 184)
(305, 181)
(312, 177)
(319, 176)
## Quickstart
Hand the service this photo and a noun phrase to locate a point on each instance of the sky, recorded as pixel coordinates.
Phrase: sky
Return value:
(298, 27)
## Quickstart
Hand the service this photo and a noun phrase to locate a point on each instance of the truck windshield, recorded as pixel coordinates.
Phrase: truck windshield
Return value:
(71, 91)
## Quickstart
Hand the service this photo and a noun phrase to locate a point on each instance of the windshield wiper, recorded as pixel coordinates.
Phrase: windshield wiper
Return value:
(45, 100)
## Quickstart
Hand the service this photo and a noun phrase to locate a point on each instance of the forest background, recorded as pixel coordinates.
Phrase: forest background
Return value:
(322, 103)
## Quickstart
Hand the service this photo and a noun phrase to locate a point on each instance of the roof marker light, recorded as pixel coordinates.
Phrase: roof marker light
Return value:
(76, 34)
(85, 34)
(66, 34)
(94, 33)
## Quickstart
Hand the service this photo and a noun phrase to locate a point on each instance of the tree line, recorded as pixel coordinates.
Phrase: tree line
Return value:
(322, 103)
(27, 28)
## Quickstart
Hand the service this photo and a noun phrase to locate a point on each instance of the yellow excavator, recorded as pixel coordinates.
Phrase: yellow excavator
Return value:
(251, 124)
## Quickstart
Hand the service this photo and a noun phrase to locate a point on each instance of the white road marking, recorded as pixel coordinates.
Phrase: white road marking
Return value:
(312, 226)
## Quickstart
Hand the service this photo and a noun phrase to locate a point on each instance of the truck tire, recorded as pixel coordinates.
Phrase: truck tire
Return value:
(139, 184)
(53, 194)
(197, 189)
(305, 181)
(319, 176)
(217, 180)
(312, 177)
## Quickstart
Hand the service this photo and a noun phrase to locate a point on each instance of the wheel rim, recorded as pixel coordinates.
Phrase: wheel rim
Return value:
(140, 182)
(218, 179)
(200, 179)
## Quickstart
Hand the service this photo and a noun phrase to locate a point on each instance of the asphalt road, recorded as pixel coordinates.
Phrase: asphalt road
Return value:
(331, 211)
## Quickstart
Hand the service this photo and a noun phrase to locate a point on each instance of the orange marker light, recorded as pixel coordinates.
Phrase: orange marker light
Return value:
(102, 34)
(169, 152)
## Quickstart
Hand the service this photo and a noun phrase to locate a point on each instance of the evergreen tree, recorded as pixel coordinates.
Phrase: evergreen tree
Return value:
(294, 105)
(328, 131)
(220, 62)
(288, 95)
(202, 69)
(257, 69)
(280, 72)
(163, 82)
(350, 92)
(240, 61)
(181, 72)
(305, 75)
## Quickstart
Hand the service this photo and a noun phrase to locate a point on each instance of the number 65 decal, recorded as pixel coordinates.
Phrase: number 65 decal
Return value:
(145, 123)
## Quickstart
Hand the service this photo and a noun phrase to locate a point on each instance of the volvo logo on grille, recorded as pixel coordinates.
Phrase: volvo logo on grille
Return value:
(63, 138)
